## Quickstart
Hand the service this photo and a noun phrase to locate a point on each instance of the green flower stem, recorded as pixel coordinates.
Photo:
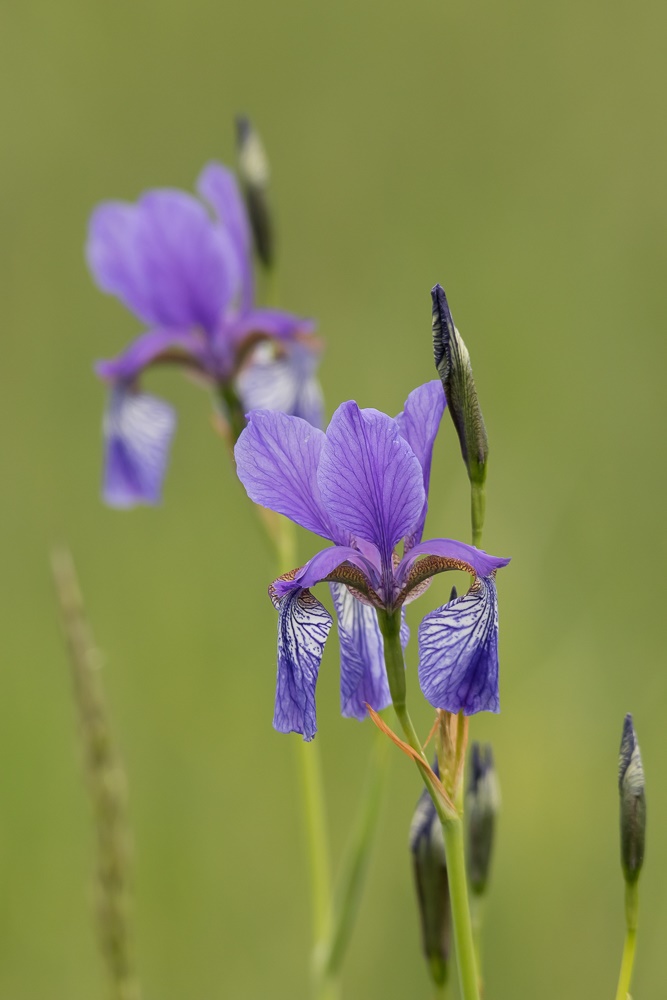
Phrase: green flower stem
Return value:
(314, 811)
(351, 881)
(233, 410)
(452, 826)
(458, 893)
(477, 510)
(628, 960)
(476, 915)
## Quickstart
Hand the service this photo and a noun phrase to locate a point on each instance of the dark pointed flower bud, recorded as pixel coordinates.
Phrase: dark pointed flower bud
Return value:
(482, 804)
(254, 173)
(633, 803)
(453, 363)
(430, 870)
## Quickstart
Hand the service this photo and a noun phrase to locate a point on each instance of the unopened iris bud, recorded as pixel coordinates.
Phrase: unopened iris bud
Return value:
(254, 173)
(482, 804)
(453, 363)
(633, 803)
(430, 870)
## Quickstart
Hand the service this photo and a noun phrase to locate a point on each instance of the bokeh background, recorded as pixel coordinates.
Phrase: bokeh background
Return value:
(516, 152)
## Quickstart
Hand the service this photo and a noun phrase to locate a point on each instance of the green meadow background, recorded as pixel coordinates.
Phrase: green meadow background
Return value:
(517, 153)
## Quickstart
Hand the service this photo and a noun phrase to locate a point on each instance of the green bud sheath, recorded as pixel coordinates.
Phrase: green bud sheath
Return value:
(632, 802)
(430, 872)
(453, 363)
(254, 173)
(482, 805)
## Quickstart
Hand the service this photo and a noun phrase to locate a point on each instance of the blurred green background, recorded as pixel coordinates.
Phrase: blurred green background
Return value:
(516, 152)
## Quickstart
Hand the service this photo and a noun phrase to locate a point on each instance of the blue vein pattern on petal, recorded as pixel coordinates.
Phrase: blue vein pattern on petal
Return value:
(458, 652)
(370, 480)
(276, 460)
(418, 424)
(303, 627)
(363, 677)
(138, 429)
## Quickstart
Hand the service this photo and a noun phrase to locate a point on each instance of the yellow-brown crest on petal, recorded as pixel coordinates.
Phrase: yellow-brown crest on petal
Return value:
(356, 582)
(425, 568)
(286, 576)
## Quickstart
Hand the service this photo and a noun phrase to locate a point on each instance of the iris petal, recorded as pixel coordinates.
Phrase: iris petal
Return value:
(467, 556)
(164, 258)
(458, 652)
(218, 186)
(138, 430)
(272, 323)
(303, 627)
(282, 381)
(418, 424)
(152, 347)
(323, 565)
(276, 460)
(370, 480)
(363, 676)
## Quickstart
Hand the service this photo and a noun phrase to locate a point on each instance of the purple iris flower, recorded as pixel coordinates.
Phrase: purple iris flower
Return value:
(187, 274)
(363, 485)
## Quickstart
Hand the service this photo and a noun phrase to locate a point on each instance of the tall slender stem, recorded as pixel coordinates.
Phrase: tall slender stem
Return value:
(314, 811)
(628, 960)
(458, 894)
(350, 883)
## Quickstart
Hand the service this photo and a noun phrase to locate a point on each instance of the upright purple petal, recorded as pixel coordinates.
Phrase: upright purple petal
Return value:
(138, 430)
(418, 424)
(363, 676)
(282, 380)
(276, 460)
(218, 186)
(370, 479)
(164, 258)
(303, 627)
(458, 652)
(152, 347)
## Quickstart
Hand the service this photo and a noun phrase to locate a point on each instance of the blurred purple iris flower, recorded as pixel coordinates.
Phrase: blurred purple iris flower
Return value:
(363, 485)
(188, 275)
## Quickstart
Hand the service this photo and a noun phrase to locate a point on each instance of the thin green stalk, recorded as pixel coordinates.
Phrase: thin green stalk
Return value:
(476, 916)
(350, 883)
(477, 510)
(441, 992)
(628, 960)
(452, 826)
(233, 410)
(316, 835)
(458, 894)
